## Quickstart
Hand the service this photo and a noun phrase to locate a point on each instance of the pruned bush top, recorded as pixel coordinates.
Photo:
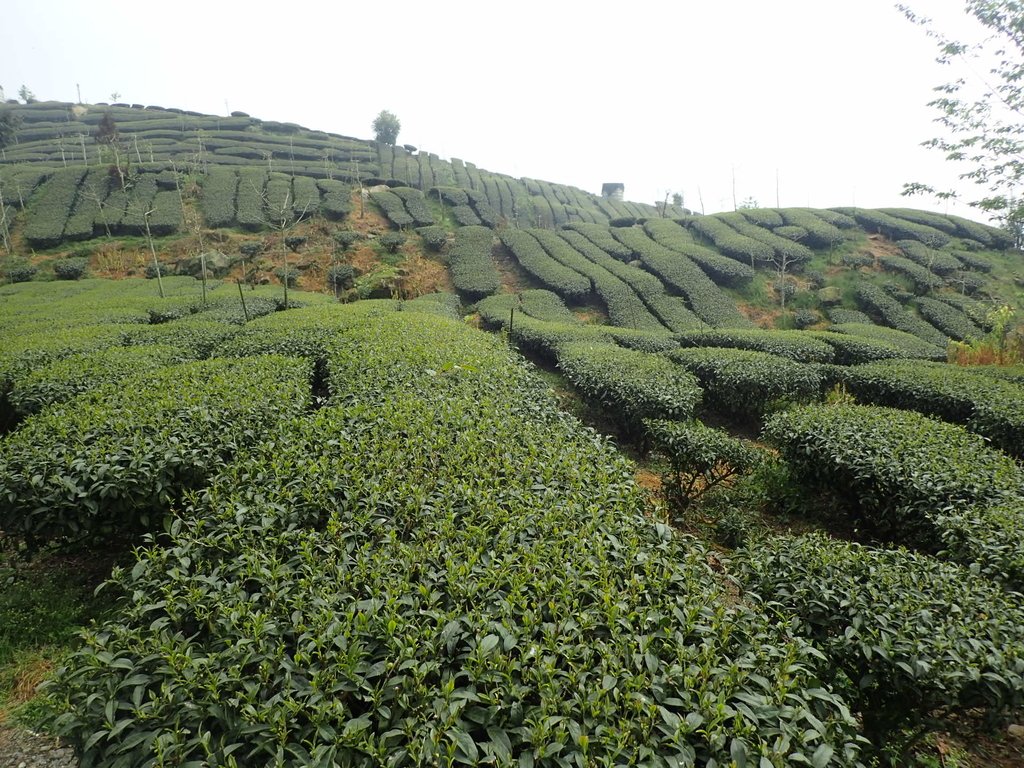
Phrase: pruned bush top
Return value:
(911, 641)
(440, 568)
(115, 459)
(633, 385)
(894, 468)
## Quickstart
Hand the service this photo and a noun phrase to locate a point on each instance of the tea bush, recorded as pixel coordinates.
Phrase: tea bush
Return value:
(948, 319)
(721, 269)
(875, 302)
(894, 469)
(912, 643)
(730, 242)
(415, 205)
(113, 460)
(747, 383)
(440, 568)
(798, 346)
(563, 280)
(469, 261)
(820, 233)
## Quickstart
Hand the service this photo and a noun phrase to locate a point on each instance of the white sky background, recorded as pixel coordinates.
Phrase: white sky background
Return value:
(663, 96)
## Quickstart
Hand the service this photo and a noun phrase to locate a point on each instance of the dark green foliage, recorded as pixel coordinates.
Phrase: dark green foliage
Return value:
(922, 278)
(220, 187)
(294, 242)
(896, 228)
(910, 345)
(483, 209)
(851, 349)
(839, 315)
(939, 262)
(966, 282)
(305, 197)
(986, 537)
(820, 232)
(415, 205)
(346, 238)
(762, 217)
(496, 311)
(435, 237)
(670, 311)
(393, 207)
(913, 643)
(563, 280)
(894, 469)
(625, 308)
(289, 274)
(19, 272)
(335, 199)
(278, 201)
(876, 303)
(249, 205)
(51, 207)
(721, 269)
(804, 318)
(948, 319)
(858, 259)
(699, 459)
(443, 538)
(705, 299)
(63, 379)
(340, 276)
(70, 269)
(972, 261)
(730, 242)
(747, 383)
(603, 238)
(469, 262)
(115, 459)
(990, 237)
(391, 241)
(795, 345)
(792, 232)
(196, 335)
(632, 385)
(785, 251)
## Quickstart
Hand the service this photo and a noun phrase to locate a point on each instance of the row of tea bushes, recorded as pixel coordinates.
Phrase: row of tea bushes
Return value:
(473, 271)
(563, 280)
(948, 319)
(721, 269)
(625, 308)
(670, 311)
(898, 470)
(912, 643)
(986, 405)
(440, 568)
(543, 305)
(747, 383)
(877, 302)
(628, 384)
(114, 459)
(799, 346)
(707, 302)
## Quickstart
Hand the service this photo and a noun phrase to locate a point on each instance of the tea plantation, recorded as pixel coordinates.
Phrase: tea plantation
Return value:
(408, 463)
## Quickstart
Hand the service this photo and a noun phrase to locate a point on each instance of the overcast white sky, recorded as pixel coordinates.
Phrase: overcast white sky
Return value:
(826, 95)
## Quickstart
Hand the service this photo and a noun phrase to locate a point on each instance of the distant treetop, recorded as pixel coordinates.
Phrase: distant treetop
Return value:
(386, 127)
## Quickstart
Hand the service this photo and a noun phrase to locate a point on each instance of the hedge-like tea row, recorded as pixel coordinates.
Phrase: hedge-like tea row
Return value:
(705, 299)
(335, 198)
(911, 641)
(948, 319)
(747, 383)
(820, 233)
(799, 346)
(912, 346)
(985, 405)
(443, 569)
(483, 209)
(762, 217)
(538, 304)
(63, 379)
(249, 205)
(730, 242)
(670, 311)
(922, 278)
(469, 262)
(972, 261)
(603, 238)
(875, 301)
(194, 335)
(113, 460)
(784, 249)
(631, 385)
(721, 269)
(939, 262)
(990, 237)
(895, 469)
(897, 229)
(51, 208)
(219, 190)
(625, 309)
(849, 349)
(563, 280)
(415, 205)
(305, 197)
(393, 207)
